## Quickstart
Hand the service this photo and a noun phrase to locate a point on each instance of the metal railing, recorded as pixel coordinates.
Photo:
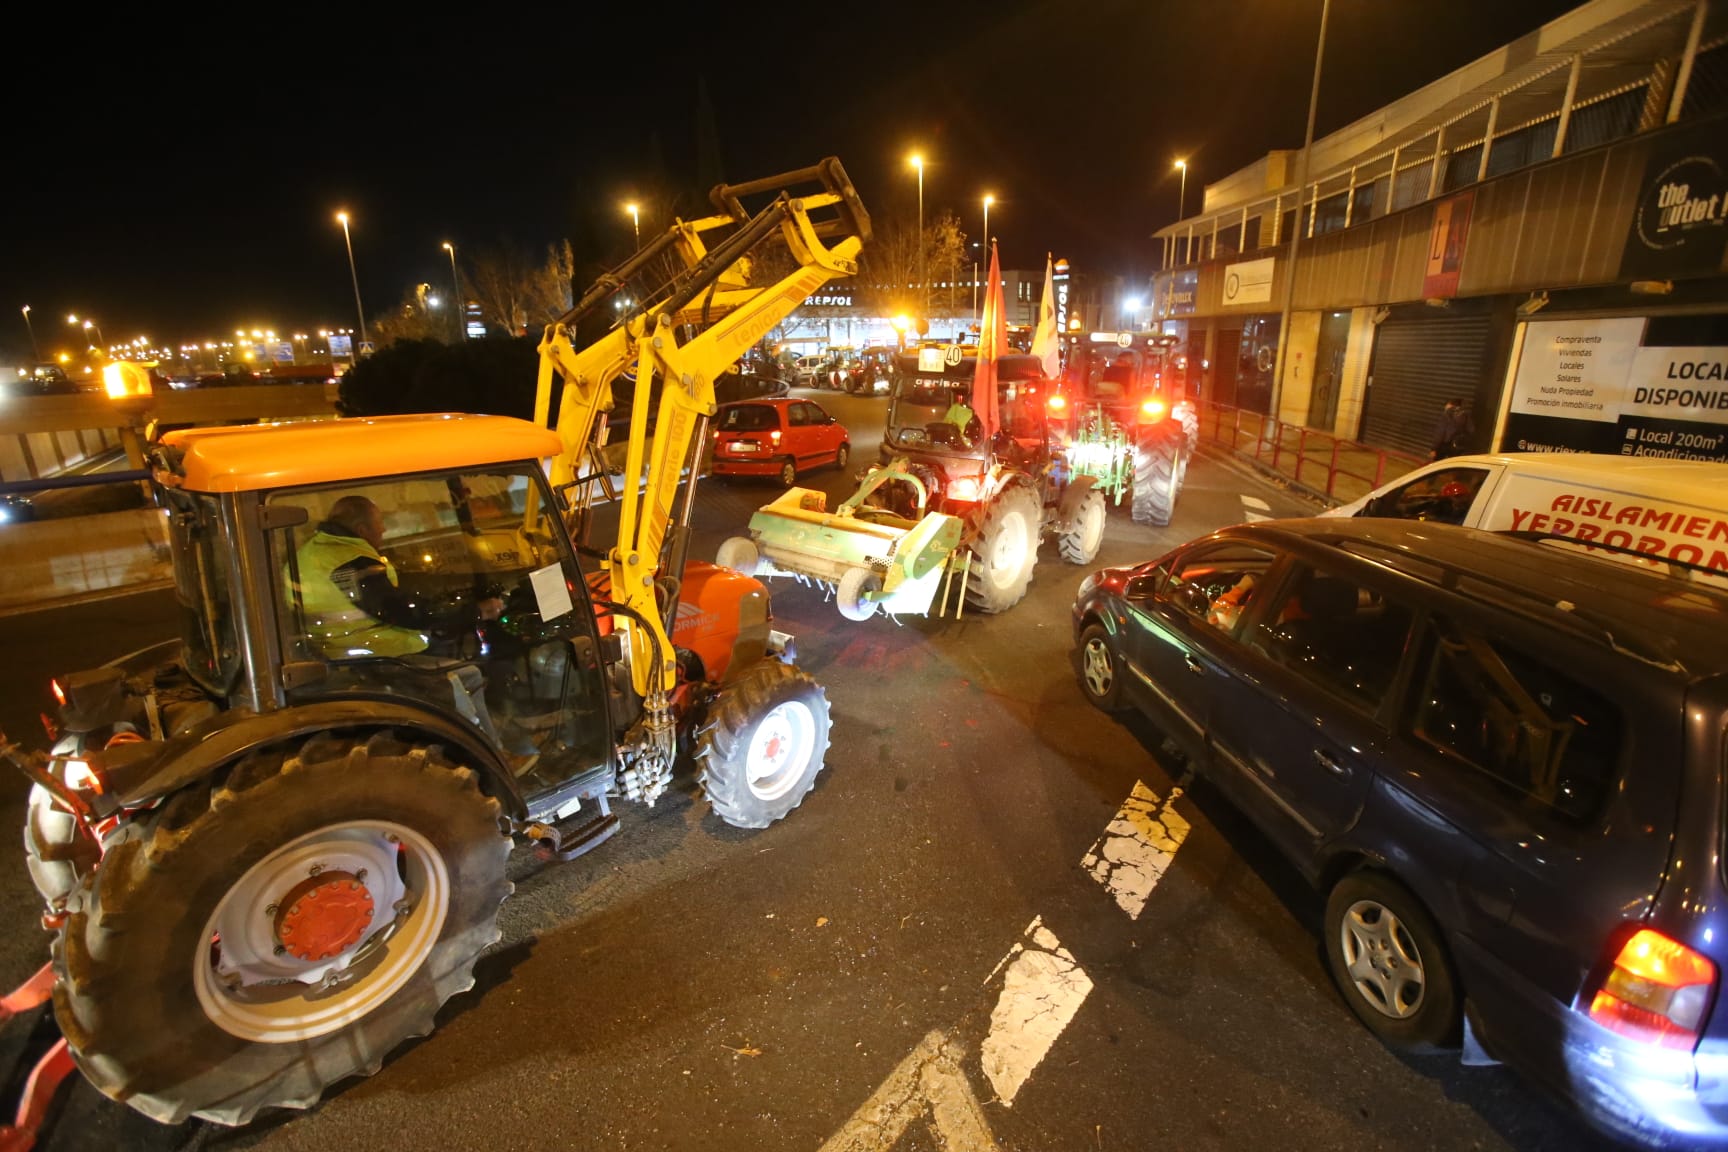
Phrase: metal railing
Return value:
(1327, 467)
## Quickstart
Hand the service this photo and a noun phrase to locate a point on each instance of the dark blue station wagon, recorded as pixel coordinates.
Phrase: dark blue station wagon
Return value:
(1503, 762)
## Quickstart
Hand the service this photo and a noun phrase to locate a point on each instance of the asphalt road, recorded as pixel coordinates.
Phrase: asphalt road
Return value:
(922, 956)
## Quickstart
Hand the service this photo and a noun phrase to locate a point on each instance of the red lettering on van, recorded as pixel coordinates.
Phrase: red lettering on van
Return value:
(1656, 520)
(1563, 527)
(1562, 503)
(1538, 521)
(1519, 515)
(1588, 531)
(1629, 515)
(1688, 553)
(1695, 526)
(1719, 531)
(1618, 539)
(1651, 544)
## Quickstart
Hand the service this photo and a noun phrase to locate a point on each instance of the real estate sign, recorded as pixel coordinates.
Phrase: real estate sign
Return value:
(1592, 386)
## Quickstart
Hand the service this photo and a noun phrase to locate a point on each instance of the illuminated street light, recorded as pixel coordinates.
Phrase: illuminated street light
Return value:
(461, 320)
(33, 345)
(635, 211)
(917, 161)
(342, 217)
(988, 200)
(87, 325)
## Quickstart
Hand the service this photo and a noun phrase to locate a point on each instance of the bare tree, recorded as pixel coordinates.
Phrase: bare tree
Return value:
(518, 293)
(414, 318)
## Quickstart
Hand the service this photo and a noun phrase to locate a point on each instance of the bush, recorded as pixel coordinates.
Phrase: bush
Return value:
(495, 376)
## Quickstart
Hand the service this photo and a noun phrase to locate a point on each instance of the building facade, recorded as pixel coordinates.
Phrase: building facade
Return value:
(1543, 233)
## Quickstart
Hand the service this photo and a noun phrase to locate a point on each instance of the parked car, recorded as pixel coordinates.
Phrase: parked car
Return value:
(1678, 508)
(807, 371)
(731, 387)
(778, 437)
(1502, 762)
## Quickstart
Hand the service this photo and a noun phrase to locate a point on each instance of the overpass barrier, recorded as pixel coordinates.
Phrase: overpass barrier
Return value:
(48, 563)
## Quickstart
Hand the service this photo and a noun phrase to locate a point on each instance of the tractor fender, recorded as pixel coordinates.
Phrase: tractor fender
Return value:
(1073, 495)
(227, 736)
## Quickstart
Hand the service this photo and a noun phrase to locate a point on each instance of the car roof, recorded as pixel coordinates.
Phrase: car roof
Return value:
(252, 457)
(1645, 471)
(1657, 617)
(764, 402)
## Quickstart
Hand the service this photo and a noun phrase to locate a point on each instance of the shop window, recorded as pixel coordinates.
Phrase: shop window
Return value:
(1461, 168)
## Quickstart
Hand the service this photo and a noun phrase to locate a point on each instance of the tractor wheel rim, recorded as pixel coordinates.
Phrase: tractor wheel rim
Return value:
(780, 749)
(1008, 550)
(321, 932)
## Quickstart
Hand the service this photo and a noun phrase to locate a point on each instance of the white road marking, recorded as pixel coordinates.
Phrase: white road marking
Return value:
(930, 1081)
(1042, 990)
(1254, 508)
(1136, 849)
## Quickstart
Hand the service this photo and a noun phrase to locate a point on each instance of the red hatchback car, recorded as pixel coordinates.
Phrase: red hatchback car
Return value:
(777, 436)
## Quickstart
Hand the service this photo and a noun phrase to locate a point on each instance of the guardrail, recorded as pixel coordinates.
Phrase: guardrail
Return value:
(1328, 467)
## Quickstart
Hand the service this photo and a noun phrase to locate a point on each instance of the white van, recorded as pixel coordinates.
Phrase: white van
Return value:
(1662, 509)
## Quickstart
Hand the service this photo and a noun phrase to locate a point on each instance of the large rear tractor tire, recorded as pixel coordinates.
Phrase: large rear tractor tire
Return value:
(1006, 551)
(1080, 543)
(279, 927)
(765, 740)
(1158, 472)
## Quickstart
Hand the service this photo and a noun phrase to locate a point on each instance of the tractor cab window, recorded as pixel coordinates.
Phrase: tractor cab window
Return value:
(203, 590)
(451, 587)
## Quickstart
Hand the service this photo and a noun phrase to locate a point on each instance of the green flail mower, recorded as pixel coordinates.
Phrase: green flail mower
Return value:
(873, 558)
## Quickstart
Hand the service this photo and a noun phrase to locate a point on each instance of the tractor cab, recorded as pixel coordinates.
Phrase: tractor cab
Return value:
(930, 408)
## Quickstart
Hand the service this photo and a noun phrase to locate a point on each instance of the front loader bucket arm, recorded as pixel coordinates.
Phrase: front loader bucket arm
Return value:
(710, 293)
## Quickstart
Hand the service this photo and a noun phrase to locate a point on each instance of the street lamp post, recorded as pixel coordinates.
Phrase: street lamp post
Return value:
(342, 217)
(1296, 233)
(917, 161)
(988, 200)
(87, 325)
(635, 211)
(34, 347)
(1182, 198)
(456, 283)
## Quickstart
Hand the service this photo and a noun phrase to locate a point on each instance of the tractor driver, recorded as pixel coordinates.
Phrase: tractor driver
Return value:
(348, 590)
(353, 607)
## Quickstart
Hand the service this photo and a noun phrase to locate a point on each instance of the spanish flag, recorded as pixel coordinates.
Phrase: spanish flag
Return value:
(992, 346)
(1045, 344)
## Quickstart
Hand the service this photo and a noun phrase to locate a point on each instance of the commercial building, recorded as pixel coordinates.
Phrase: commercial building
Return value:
(1543, 232)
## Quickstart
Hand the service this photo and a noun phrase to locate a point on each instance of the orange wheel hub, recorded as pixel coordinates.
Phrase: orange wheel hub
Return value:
(324, 916)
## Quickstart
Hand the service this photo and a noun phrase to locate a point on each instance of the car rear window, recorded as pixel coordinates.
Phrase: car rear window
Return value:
(749, 418)
(1527, 724)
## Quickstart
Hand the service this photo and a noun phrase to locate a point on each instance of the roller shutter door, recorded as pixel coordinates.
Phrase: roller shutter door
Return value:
(1418, 365)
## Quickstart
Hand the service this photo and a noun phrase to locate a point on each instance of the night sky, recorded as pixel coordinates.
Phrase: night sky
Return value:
(182, 183)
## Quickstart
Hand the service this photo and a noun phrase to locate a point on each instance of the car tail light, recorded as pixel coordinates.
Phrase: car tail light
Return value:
(1153, 410)
(774, 437)
(1657, 991)
(1057, 402)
